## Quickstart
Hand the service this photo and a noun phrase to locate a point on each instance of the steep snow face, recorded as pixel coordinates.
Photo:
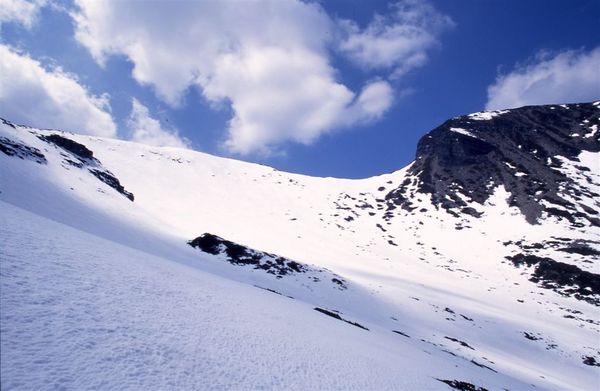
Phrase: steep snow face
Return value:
(462, 283)
(80, 312)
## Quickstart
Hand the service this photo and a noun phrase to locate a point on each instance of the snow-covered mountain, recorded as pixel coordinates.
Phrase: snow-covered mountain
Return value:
(125, 266)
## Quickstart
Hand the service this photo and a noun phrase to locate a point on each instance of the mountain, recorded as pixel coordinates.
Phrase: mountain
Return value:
(125, 266)
(521, 150)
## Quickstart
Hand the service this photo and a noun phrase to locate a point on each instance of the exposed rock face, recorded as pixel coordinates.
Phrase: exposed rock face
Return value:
(240, 255)
(565, 279)
(337, 316)
(73, 154)
(82, 157)
(462, 385)
(79, 150)
(22, 151)
(523, 149)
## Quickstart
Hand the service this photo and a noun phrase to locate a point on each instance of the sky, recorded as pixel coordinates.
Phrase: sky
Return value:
(342, 88)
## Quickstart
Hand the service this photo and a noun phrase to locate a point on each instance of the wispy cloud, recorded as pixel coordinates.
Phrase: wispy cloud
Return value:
(23, 12)
(565, 77)
(397, 41)
(33, 95)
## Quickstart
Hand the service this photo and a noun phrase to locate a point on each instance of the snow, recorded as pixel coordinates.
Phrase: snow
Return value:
(110, 317)
(486, 115)
(463, 131)
(101, 292)
(592, 161)
(594, 129)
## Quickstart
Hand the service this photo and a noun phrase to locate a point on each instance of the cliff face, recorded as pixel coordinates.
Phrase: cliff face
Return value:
(532, 151)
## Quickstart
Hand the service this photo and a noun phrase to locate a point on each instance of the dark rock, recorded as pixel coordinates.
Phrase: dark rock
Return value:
(530, 336)
(14, 148)
(483, 366)
(240, 255)
(451, 166)
(108, 178)
(84, 158)
(273, 291)
(563, 278)
(209, 243)
(462, 385)
(461, 343)
(338, 282)
(591, 361)
(581, 249)
(338, 317)
(7, 122)
(79, 150)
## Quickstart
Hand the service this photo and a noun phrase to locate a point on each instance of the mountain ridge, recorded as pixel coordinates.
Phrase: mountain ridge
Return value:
(456, 285)
(472, 155)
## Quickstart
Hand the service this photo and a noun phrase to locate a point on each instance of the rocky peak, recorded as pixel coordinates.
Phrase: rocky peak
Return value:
(527, 150)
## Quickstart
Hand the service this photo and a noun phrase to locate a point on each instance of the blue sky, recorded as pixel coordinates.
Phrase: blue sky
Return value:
(334, 88)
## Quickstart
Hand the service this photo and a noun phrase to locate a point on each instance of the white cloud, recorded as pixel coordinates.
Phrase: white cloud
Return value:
(374, 99)
(398, 41)
(279, 95)
(173, 56)
(268, 60)
(32, 95)
(147, 130)
(20, 11)
(567, 77)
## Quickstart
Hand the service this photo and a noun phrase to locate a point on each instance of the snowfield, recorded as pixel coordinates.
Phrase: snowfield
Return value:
(101, 292)
(80, 312)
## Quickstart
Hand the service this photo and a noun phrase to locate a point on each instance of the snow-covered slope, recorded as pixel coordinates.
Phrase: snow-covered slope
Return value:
(443, 271)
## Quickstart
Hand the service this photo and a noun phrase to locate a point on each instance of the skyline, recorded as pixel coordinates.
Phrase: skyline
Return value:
(365, 87)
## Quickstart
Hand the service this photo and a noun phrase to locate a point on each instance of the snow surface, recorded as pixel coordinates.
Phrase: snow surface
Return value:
(594, 130)
(463, 131)
(487, 115)
(99, 292)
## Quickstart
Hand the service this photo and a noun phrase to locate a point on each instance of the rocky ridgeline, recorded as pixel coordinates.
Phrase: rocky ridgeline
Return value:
(278, 266)
(523, 149)
(73, 154)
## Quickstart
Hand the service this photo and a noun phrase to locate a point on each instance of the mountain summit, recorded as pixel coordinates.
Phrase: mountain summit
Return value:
(522, 150)
(476, 267)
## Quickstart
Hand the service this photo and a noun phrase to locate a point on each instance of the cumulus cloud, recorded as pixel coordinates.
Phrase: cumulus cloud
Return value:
(33, 95)
(174, 56)
(267, 60)
(374, 99)
(279, 94)
(147, 130)
(22, 12)
(398, 41)
(566, 77)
